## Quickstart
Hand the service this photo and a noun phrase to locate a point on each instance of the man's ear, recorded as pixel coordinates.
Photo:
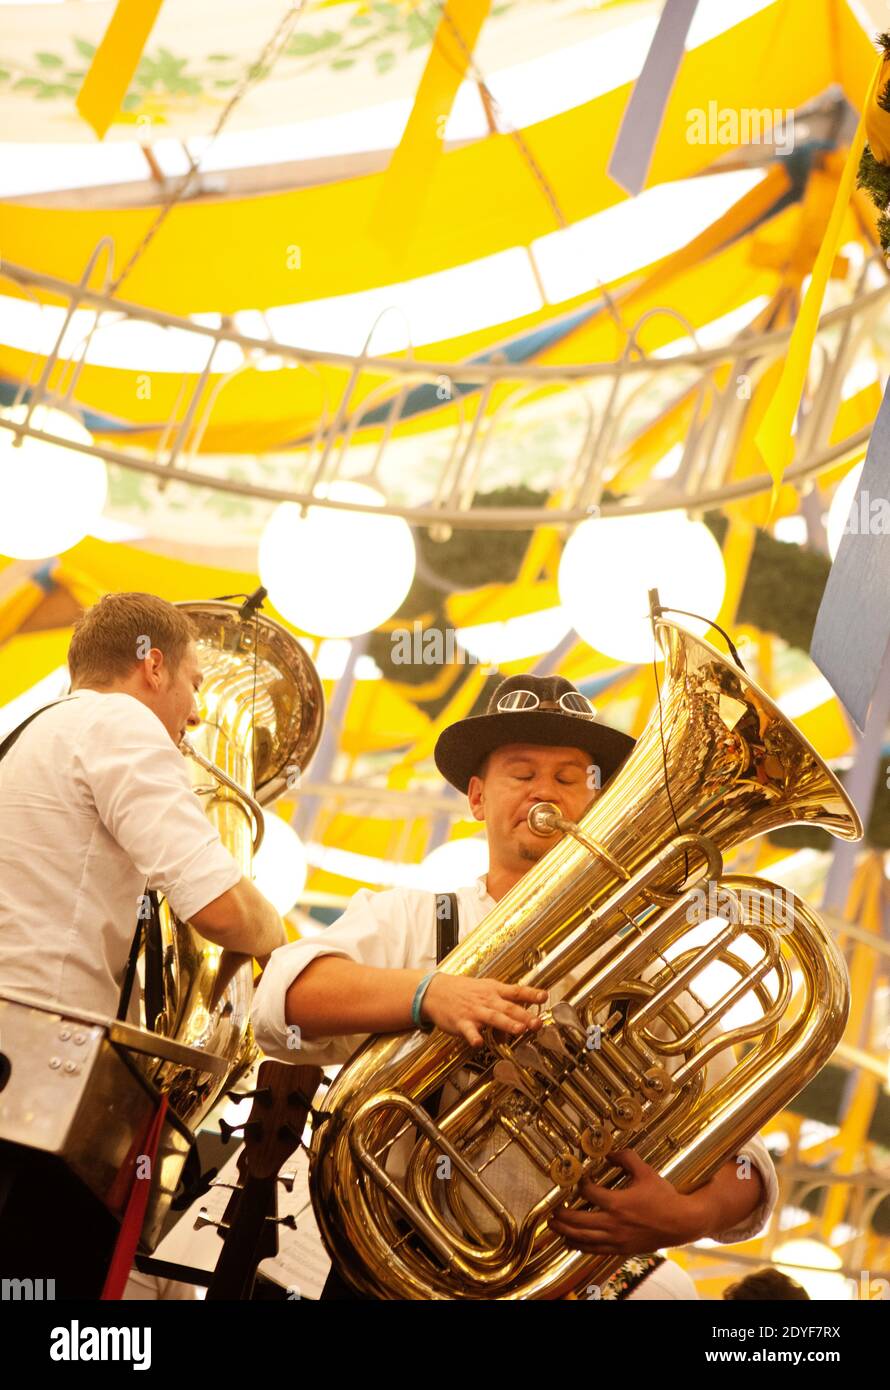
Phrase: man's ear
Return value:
(152, 666)
(474, 796)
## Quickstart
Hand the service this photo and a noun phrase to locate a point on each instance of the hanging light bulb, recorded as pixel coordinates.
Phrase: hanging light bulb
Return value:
(337, 574)
(279, 868)
(50, 496)
(820, 1277)
(609, 564)
(454, 864)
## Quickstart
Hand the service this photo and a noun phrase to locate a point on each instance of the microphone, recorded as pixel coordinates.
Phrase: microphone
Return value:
(250, 605)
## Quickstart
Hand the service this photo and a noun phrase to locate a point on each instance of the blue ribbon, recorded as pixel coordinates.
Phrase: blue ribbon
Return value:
(632, 154)
(852, 629)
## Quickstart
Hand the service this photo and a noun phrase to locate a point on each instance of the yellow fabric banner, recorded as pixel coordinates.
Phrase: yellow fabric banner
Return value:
(483, 198)
(774, 439)
(413, 164)
(114, 62)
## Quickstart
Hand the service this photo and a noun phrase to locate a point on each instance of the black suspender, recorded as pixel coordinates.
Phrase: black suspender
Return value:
(447, 925)
(148, 924)
(20, 728)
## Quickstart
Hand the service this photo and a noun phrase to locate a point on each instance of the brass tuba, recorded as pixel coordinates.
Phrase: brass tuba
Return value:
(660, 963)
(262, 717)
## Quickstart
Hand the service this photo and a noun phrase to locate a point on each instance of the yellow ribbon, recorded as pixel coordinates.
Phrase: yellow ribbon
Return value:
(114, 62)
(773, 438)
(877, 120)
(414, 163)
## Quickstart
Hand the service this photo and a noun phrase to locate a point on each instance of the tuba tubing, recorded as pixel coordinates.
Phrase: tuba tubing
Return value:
(256, 810)
(262, 716)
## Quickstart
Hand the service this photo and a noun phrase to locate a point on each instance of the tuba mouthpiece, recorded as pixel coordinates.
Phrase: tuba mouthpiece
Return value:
(544, 818)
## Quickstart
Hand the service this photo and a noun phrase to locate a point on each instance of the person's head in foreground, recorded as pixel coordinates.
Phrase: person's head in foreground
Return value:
(539, 740)
(142, 646)
(765, 1286)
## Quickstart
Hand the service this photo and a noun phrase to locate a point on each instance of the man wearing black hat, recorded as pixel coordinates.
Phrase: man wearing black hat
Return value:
(539, 740)
(374, 970)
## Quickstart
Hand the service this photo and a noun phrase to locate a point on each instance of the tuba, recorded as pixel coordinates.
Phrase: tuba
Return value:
(262, 716)
(656, 961)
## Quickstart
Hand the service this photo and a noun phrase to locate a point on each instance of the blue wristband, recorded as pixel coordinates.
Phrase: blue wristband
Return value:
(418, 1001)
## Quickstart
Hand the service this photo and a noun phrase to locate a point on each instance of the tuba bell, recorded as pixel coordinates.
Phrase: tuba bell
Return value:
(658, 957)
(262, 717)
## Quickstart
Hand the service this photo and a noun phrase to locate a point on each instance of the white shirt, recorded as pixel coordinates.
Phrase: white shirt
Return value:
(396, 930)
(96, 806)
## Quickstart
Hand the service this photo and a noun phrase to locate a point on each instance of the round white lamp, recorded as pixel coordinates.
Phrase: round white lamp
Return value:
(279, 868)
(50, 496)
(609, 564)
(821, 1279)
(454, 864)
(337, 574)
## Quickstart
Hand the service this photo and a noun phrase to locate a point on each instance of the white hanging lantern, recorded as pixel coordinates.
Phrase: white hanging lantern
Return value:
(333, 573)
(609, 564)
(454, 864)
(279, 868)
(50, 496)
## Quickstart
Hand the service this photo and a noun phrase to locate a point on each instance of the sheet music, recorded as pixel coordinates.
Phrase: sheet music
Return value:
(301, 1265)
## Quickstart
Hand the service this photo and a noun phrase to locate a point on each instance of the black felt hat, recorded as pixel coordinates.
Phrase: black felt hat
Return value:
(462, 747)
